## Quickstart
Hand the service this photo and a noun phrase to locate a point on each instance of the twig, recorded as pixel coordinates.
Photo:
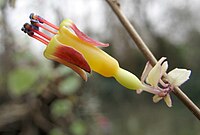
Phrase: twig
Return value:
(114, 4)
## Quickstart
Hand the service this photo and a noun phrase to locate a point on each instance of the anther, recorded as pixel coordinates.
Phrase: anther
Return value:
(31, 15)
(27, 26)
(34, 21)
(30, 33)
(23, 29)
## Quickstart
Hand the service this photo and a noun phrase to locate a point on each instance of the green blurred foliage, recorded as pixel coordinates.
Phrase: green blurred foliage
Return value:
(56, 131)
(61, 108)
(70, 85)
(21, 80)
(78, 127)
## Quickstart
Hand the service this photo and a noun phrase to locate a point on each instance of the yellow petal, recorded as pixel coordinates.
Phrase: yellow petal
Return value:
(168, 100)
(164, 67)
(178, 76)
(146, 71)
(156, 98)
(155, 73)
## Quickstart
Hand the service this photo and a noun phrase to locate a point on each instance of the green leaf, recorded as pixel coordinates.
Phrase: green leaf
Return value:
(59, 108)
(78, 128)
(21, 80)
(69, 85)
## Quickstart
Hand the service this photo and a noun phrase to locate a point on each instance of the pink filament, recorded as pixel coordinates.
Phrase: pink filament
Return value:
(46, 22)
(40, 39)
(39, 25)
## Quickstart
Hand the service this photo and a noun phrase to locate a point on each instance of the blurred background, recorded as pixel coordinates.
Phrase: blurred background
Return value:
(40, 97)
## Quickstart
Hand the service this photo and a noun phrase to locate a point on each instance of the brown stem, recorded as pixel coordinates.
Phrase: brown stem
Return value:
(114, 4)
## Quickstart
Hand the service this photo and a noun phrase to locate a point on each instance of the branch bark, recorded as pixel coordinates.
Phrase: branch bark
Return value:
(115, 5)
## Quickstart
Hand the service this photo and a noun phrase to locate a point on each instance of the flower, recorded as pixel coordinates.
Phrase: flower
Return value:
(152, 80)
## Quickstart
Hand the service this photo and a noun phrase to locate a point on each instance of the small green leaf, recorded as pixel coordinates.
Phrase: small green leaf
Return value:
(21, 80)
(78, 128)
(70, 85)
(60, 108)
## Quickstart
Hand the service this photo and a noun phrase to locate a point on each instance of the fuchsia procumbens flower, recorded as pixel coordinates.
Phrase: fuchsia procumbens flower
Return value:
(152, 78)
(81, 53)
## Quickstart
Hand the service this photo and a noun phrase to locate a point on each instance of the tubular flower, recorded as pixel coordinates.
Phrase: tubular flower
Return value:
(71, 47)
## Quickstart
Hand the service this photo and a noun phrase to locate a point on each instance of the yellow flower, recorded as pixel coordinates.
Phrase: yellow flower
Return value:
(78, 51)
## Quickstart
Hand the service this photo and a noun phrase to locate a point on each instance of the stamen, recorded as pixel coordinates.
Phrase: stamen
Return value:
(39, 25)
(27, 28)
(40, 39)
(48, 23)
(42, 20)
(42, 34)
(31, 28)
